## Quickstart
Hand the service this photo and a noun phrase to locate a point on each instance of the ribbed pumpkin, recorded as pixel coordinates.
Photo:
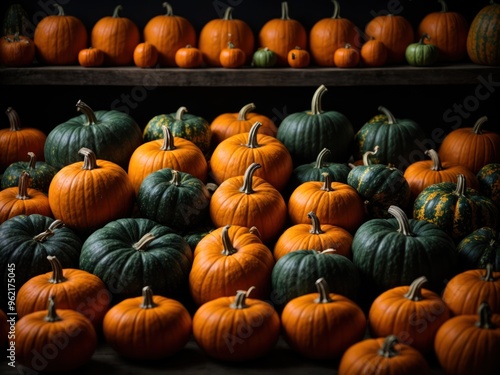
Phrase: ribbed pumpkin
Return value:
(168, 33)
(489, 182)
(329, 34)
(480, 248)
(117, 37)
(16, 50)
(306, 133)
(282, 34)
(216, 33)
(482, 39)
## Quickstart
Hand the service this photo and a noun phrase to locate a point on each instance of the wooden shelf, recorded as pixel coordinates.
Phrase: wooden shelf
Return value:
(456, 74)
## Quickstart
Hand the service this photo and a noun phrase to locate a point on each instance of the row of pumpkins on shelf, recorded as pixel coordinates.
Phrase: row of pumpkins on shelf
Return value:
(171, 40)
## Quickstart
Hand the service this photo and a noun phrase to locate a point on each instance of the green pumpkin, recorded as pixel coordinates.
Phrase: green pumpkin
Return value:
(129, 253)
(456, 209)
(183, 125)
(380, 186)
(295, 274)
(422, 54)
(40, 172)
(173, 198)
(112, 135)
(484, 36)
(306, 133)
(393, 252)
(489, 182)
(398, 140)
(479, 248)
(264, 58)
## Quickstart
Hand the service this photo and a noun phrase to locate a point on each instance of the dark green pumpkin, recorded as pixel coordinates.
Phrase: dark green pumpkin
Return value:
(489, 182)
(129, 253)
(456, 209)
(306, 133)
(393, 252)
(264, 58)
(480, 248)
(397, 138)
(295, 273)
(112, 135)
(422, 54)
(40, 172)
(183, 125)
(484, 36)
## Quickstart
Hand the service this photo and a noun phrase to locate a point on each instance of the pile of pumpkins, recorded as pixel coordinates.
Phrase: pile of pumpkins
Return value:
(246, 231)
(169, 40)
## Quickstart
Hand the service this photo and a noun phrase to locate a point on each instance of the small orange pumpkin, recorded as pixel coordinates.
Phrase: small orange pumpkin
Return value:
(298, 58)
(145, 55)
(231, 56)
(91, 57)
(16, 50)
(188, 57)
(346, 57)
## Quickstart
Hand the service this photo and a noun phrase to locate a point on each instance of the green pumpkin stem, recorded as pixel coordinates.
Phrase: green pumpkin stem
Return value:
(316, 100)
(415, 291)
(367, 154)
(24, 181)
(247, 187)
(42, 237)
(284, 11)
(478, 126)
(436, 161)
(168, 7)
(336, 9)
(444, 6)
(321, 157)
(402, 219)
(14, 119)
(57, 270)
(143, 243)
(327, 186)
(87, 111)
(180, 113)
(228, 248)
(32, 160)
(168, 139)
(252, 135)
(488, 276)
(461, 185)
(323, 290)
(390, 117)
(89, 159)
(51, 312)
(316, 226)
(388, 349)
(242, 114)
(147, 298)
(176, 178)
(485, 313)
(240, 299)
(116, 12)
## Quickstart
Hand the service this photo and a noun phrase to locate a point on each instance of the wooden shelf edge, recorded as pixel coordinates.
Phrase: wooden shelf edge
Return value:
(458, 74)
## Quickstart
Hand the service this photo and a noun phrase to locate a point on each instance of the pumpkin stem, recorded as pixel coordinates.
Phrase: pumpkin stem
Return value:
(89, 159)
(32, 160)
(460, 190)
(485, 313)
(390, 117)
(388, 349)
(478, 126)
(415, 291)
(320, 158)
(57, 270)
(284, 11)
(402, 219)
(242, 114)
(316, 226)
(145, 240)
(180, 113)
(367, 154)
(60, 9)
(228, 248)
(42, 237)
(176, 178)
(327, 186)
(252, 135)
(316, 100)
(51, 312)
(488, 276)
(116, 12)
(228, 13)
(323, 290)
(444, 6)
(436, 161)
(247, 178)
(240, 299)
(336, 9)
(87, 111)
(168, 139)
(14, 120)
(23, 184)
(168, 7)
(147, 298)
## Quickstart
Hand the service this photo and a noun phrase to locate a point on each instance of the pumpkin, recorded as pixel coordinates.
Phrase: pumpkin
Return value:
(393, 252)
(322, 325)
(455, 208)
(169, 33)
(232, 56)
(148, 327)
(16, 50)
(479, 248)
(334, 203)
(489, 181)
(215, 35)
(174, 199)
(472, 147)
(227, 124)
(117, 37)
(423, 173)
(54, 340)
(373, 53)
(329, 34)
(398, 139)
(59, 38)
(27, 240)
(448, 31)
(17, 141)
(15, 20)
(75, 289)
(22, 200)
(112, 135)
(313, 236)
(236, 328)
(306, 133)
(249, 201)
(346, 57)
(298, 58)
(482, 38)
(395, 31)
(466, 290)
(264, 58)
(128, 253)
(282, 34)
(4, 330)
(145, 55)
(411, 312)
(226, 259)
(188, 57)
(91, 57)
(88, 194)
(232, 156)
(474, 338)
(169, 152)
(383, 356)
(421, 53)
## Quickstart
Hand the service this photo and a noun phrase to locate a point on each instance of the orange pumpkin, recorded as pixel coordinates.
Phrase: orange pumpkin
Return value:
(231, 56)
(117, 37)
(91, 57)
(298, 58)
(188, 57)
(373, 53)
(16, 50)
(282, 34)
(145, 55)
(168, 33)
(346, 57)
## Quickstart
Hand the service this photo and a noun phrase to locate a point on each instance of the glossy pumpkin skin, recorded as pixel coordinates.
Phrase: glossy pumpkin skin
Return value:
(16, 50)
(421, 53)
(479, 248)
(91, 57)
(482, 39)
(145, 55)
(489, 181)
(188, 57)
(125, 265)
